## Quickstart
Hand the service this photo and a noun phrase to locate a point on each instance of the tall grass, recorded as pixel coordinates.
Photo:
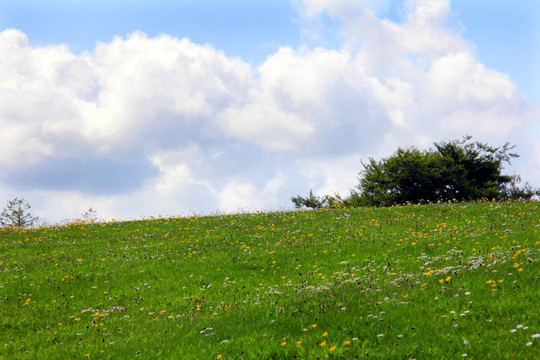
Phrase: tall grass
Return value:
(426, 282)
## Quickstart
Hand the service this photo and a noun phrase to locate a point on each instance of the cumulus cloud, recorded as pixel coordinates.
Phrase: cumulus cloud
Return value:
(98, 117)
(145, 126)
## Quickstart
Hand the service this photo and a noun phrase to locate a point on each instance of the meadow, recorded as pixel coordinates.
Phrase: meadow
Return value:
(440, 281)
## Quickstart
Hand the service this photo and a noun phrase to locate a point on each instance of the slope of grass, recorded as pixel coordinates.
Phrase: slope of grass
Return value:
(425, 282)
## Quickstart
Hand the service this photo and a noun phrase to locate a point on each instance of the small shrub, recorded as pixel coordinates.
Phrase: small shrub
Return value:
(16, 214)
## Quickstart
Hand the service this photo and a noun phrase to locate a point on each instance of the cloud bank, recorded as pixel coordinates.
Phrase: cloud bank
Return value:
(147, 126)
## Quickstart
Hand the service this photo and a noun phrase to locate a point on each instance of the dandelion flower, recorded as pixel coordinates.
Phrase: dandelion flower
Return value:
(325, 333)
(219, 356)
(284, 343)
(314, 326)
(332, 348)
(323, 343)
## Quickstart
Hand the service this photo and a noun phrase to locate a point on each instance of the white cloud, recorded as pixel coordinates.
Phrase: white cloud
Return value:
(163, 87)
(343, 8)
(262, 123)
(146, 126)
(461, 74)
(115, 108)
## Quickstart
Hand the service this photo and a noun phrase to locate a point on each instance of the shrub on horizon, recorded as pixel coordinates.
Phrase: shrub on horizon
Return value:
(459, 170)
(16, 214)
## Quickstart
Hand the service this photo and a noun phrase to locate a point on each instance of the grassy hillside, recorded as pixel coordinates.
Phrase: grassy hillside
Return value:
(425, 282)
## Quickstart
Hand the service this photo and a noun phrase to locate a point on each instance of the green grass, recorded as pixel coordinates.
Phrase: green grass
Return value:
(426, 282)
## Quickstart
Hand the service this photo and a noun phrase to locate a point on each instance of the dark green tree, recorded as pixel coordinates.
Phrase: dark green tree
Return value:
(410, 175)
(459, 170)
(472, 170)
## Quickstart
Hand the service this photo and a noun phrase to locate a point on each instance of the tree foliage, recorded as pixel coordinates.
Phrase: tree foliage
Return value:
(311, 202)
(327, 201)
(459, 170)
(16, 214)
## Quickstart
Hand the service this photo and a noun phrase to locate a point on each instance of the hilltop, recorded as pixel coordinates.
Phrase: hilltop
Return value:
(432, 281)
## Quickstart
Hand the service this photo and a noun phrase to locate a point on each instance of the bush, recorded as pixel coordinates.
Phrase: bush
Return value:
(410, 175)
(89, 215)
(311, 202)
(459, 170)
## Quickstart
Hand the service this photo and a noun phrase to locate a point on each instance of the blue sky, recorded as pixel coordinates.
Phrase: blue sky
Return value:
(507, 37)
(251, 29)
(506, 33)
(138, 108)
